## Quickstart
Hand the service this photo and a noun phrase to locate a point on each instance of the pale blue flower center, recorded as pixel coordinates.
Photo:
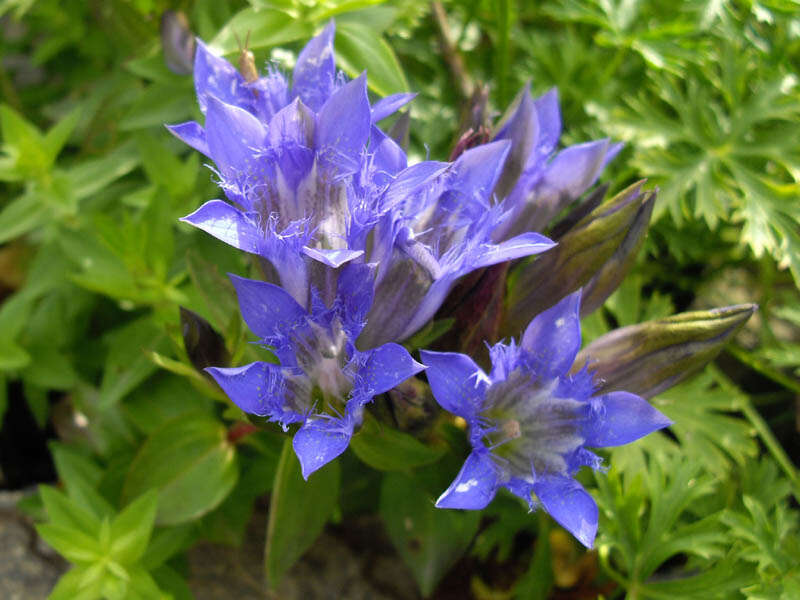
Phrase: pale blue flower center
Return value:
(532, 429)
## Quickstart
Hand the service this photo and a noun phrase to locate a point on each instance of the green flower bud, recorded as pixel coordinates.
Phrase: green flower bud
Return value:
(650, 357)
(581, 254)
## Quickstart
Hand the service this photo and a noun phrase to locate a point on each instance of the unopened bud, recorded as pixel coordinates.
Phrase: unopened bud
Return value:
(614, 270)
(579, 256)
(650, 357)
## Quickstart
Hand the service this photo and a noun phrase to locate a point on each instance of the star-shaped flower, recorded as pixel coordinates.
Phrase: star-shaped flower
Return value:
(530, 420)
(322, 382)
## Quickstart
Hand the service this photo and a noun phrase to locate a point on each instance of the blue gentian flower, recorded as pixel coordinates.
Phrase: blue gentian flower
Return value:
(322, 382)
(303, 168)
(530, 420)
(440, 225)
(538, 183)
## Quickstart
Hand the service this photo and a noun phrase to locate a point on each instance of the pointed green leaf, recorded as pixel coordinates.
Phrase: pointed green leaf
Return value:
(64, 511)
(429, 539)
(73, 544)
(266, 28)
(298, 511)
(22, 215)
(191, 464)
(358, 47)
(131, 529)
(387, 449)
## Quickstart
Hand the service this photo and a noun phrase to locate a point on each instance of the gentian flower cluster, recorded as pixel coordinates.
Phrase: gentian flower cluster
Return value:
(359, 251)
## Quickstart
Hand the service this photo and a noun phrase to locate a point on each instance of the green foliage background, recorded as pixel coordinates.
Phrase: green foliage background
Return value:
(94, 266)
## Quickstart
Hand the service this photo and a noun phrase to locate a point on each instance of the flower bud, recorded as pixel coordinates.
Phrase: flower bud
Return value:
(580, 255)
(650, 357)
(615, 269)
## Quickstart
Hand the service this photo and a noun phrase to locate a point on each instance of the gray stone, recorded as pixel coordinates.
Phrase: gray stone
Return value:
(28, 568)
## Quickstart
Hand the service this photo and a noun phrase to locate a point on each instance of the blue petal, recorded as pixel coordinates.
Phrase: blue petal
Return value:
(553, 338)
(619, 418)
(292, 123)
(570, 505)
(247, 386)
(191, 133)
(412, 179)
(386, 367)
(457, 383)
(319, 441)
(386, 106)
(425, 310)
(228, 224)
(575, 169)
(475, 485)
(549, 121)
(214, 77)
(388, 158)
(478, 169)
(522, 489)
(332, 258)
(314, 73)
(524, 244)
(344, 120)
(354, 291)
(267, 309)
(234, 138)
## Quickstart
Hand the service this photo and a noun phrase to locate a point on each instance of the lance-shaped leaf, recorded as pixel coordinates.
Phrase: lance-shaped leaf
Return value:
(578, 257)
(650, 357)
(611, 274)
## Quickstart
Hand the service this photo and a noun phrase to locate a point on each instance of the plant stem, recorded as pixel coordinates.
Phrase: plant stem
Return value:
(450, 53)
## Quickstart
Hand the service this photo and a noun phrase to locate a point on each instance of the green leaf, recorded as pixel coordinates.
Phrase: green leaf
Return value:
(537, 582)
(160, 103)
(131, 529)
(166, 542)
(228, 523)
(62, 510)
(191, 464)
(24, 142)
(163, 398)
(81, 477)
(74, 585)
(51, 369)
(127, 364)
(701, 410)
(429, 539)
(298, 511)
(90, 176)
(265, 28)
(387, 449)
(164, 168)
(358, 48)
(216, 289)
(21, 216)
(172, 583)
(55, 139)
(12, 356)
(73, 544)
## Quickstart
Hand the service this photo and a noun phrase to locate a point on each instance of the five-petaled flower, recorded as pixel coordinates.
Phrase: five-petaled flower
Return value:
(530, 420)
(322, 382)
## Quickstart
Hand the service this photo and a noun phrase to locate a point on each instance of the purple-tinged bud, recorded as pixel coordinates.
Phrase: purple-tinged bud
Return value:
(611, 274)
(580, 255)
(177, 41)
(650, 357)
